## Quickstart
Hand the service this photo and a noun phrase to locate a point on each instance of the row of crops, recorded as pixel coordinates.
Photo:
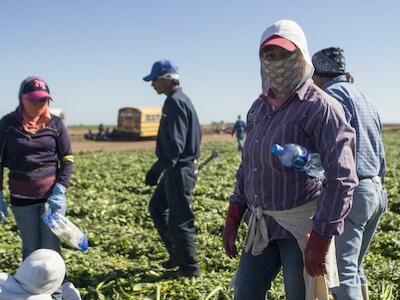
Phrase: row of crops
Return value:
(108, 200)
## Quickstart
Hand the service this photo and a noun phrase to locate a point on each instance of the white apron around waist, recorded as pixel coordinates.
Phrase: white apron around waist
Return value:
(298, 221)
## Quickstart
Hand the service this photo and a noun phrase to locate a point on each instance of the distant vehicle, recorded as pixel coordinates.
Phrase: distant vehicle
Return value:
(137, 123)
(58, 112)
(134, 123)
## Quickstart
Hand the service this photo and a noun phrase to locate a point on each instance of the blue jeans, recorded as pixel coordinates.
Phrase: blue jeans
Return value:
(369, 203)
(34, 232)
(240, 141)
(256, 273)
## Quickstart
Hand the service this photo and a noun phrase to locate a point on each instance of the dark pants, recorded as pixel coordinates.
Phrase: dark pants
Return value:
(173, 217)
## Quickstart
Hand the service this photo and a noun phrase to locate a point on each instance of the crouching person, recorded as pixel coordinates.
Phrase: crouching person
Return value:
(38, 277)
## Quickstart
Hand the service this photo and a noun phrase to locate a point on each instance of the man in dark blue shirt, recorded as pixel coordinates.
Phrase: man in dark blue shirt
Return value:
(177, 150)
(239, 128)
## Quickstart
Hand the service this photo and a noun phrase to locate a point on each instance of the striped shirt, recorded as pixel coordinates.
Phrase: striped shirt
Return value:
(364, 118)
(315, 120)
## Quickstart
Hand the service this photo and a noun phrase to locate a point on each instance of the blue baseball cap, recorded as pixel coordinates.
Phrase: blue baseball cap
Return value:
(159, 68)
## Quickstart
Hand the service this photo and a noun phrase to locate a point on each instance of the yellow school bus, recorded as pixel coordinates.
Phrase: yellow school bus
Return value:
(138, 122)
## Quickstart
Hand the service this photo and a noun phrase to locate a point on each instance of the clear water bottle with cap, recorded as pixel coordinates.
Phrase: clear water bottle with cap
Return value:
(299, 158)
(65, 230)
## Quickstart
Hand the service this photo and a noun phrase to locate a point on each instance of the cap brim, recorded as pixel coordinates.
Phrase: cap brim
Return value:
(280, 42)
(149, 77)
(38, 95)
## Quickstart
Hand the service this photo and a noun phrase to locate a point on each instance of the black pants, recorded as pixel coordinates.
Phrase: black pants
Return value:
(173, 217)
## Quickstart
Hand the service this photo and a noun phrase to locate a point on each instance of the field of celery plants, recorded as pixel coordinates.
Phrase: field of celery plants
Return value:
(108, 200)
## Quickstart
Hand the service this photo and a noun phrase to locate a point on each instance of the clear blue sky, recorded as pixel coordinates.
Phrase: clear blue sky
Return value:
(94, 53)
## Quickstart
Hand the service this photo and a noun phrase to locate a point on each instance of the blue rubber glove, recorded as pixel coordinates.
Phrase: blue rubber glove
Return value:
(3, 208)
(57, 199)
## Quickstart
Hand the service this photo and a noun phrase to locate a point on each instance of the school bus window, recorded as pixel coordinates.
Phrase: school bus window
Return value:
(151, 118)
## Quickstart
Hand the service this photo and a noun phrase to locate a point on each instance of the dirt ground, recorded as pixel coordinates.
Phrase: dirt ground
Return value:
(79, 144)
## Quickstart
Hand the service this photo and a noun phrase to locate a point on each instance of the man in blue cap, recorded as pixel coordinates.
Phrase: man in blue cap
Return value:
(369, 199)
(177, 150)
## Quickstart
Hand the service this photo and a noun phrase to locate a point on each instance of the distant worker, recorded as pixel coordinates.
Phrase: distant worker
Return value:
(177, 150)
(239, 128)
(370, 200)
(101, 128)
(100, 133)
(89, 135)
(107, 133)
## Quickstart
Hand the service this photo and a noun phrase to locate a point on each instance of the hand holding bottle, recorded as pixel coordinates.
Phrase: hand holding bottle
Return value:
(65, 230)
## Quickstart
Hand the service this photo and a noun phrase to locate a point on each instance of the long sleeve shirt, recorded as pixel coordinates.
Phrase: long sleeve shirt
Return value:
(179, 134)
(313, 119)
(36, 161)
(364, 118)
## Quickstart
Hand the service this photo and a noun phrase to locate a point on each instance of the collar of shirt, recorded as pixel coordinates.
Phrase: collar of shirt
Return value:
(300, 93)
(178, 88)
(340, 78)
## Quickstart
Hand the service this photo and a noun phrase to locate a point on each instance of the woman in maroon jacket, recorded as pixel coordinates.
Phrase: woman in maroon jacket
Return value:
(35, 147)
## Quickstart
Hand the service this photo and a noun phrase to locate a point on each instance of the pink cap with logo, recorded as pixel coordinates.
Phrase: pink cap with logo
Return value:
(35, 89)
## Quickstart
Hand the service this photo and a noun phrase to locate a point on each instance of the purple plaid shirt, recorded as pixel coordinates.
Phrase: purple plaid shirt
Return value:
(315, 120)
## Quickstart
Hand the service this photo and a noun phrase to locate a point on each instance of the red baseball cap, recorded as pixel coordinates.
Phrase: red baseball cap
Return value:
(277, 40)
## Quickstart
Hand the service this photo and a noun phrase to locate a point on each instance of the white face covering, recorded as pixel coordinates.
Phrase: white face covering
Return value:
(283, 75)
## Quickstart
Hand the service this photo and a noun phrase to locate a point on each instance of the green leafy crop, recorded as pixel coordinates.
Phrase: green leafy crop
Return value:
(108, 200)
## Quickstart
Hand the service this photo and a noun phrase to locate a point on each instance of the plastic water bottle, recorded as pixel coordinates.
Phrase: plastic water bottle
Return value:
(298, 157)
(65, 230)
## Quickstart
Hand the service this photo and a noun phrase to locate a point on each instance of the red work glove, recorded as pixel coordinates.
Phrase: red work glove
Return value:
(315, 254)
(232, 222)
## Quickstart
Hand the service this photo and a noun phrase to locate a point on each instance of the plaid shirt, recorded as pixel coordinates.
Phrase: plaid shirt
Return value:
(364, 118)
(313, 119)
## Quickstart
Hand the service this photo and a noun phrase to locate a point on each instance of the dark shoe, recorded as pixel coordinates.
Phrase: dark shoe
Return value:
(170, 263)
(180, 273)
(191, 274)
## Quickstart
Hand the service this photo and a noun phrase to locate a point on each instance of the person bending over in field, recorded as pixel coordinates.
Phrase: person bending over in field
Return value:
(37, 278)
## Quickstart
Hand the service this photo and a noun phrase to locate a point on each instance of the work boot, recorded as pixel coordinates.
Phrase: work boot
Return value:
(190, 274)
(170, 263)
(180, 273)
